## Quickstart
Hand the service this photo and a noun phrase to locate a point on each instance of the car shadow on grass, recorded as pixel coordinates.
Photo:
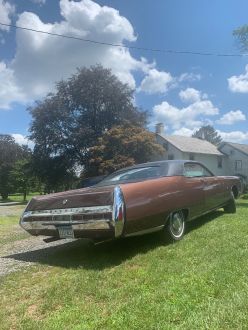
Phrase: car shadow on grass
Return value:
(197, 223)
(82, 254)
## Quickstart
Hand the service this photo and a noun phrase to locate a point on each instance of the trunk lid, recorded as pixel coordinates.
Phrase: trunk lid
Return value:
(86, 197)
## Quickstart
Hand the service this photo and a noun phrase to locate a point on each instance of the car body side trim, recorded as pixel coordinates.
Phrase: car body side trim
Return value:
(145, 231)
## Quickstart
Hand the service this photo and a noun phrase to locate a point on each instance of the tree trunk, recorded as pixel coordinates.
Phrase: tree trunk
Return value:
(4, 195)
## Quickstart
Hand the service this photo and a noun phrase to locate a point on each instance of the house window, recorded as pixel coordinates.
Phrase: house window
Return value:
(170, 157)
(238, 165)
(165, 145)
(191, 157)
(219, 162)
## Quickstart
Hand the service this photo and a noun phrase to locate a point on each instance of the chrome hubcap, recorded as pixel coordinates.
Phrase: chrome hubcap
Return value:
(177, 224)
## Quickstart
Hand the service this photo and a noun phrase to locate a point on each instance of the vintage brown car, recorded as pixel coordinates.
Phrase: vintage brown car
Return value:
(136, 200)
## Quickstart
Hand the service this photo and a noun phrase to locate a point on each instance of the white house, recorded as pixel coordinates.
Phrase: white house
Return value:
(236, 158)
(182, 147)
(228, 159)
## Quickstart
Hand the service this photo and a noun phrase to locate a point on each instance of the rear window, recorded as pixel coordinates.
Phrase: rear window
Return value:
(135, 174)
(192, 170)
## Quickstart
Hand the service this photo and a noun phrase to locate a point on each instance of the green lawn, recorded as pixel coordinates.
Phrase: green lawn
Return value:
(10, 230)
(200, 282)
(18, 198)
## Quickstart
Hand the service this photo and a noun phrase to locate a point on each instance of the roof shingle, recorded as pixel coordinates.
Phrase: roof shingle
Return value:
(192, 145)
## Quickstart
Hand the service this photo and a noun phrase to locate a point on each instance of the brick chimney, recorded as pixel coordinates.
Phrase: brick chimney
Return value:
(159, 128)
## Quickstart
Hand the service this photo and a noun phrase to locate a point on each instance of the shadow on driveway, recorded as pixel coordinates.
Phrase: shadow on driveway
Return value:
(82, 254)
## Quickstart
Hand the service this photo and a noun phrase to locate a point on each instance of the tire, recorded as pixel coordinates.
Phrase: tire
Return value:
(175, 226)
(230, 207)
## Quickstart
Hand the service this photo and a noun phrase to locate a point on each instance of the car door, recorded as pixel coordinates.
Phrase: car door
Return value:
(195, 189)
(212, 188)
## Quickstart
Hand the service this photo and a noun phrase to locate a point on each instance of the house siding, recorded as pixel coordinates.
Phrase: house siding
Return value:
(209, 160)
(234, 155)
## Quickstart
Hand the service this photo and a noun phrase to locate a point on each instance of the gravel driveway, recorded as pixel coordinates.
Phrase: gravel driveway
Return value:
(24, 252)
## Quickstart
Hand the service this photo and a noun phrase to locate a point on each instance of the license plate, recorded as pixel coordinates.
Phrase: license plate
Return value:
(66, 232)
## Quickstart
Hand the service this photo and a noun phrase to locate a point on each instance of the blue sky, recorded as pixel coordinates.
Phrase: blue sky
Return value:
(182, 91)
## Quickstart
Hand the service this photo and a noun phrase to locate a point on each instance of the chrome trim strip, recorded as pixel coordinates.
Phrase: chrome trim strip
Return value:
(145, 231)
(92, 225)
(118, 206)
(69, 211)
(57, 215)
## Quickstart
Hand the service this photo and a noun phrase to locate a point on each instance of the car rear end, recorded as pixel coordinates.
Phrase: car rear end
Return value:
(93, 213)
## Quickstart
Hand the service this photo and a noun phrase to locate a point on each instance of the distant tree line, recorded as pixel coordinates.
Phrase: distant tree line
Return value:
(15, 168)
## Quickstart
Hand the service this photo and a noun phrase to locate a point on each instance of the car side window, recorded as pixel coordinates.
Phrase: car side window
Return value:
(194, 170)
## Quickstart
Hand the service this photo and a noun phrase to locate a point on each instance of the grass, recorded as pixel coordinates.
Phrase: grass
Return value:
(10, 230)
(197, 283)
(18, 198)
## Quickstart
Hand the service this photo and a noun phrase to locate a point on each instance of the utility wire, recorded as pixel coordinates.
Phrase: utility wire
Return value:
(167, 51)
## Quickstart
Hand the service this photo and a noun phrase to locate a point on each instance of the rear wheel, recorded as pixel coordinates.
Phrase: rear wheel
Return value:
(175, 226)
(230, 207)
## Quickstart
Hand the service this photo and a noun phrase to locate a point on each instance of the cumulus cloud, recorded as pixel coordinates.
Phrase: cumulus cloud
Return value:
(194, 115)
(8, 88)
(39, 2)
(159, 82)
(239, 84)
(156, 82)
(21, 139)
(41, 60)
(234, 136)
(183, 131)
(189, 76)
(231, 117)
(6, 10)
(190, 95)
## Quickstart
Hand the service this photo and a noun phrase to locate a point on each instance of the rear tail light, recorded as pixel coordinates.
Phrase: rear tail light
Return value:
(118, 211)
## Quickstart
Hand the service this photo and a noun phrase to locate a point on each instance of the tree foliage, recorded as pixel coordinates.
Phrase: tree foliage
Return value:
(241, 36)
(10, 153)
(22, 175)
(68, 122)
(123, 146)
(209, 134)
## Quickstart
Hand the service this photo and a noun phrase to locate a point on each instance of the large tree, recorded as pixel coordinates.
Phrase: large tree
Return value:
(209, 134)
(123, 146)
(69, 121)
(10, 153)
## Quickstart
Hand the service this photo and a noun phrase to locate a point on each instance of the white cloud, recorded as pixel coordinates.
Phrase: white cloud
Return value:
(41, 60)
(6, 10)
(156, 82)
(184, 131)
(231, 117)
(194, 115)
(21, 139)
(39, 2)
(8, 88)
(190, 95)
(239, 84)
(191, 77)
(234, 136)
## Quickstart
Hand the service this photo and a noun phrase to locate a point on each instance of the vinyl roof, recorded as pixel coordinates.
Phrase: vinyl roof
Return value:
(192, 145)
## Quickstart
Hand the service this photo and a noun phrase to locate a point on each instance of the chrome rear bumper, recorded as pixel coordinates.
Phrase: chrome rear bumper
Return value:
(85, 222)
